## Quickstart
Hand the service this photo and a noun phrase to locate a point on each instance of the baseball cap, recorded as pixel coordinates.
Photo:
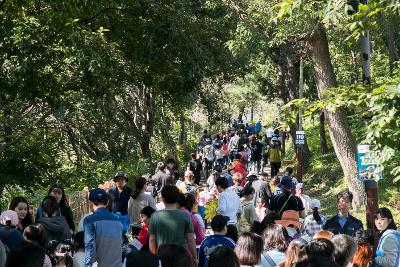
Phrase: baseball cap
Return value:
(286, 183)
(9, 216)
(300, 186)
(219, 222)
(120, 174)
(315, 203)
(98, 194)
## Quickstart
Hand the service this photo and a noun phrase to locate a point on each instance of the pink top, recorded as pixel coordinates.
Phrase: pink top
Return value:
(198, 230)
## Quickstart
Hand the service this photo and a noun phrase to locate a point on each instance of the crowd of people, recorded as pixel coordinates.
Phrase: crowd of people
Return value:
(262, 219)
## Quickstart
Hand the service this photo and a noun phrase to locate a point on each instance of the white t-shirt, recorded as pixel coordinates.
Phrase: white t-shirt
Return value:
(306, 202)
(270, 132)
(229, 205)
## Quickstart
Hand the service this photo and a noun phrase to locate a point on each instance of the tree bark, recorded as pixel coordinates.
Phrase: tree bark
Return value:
(322, 136)
(391, 41)
(147, 123)
(339, 129)
(240, 116)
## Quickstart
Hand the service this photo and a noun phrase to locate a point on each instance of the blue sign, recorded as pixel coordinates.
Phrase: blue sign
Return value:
(300, 138)
(367, 166)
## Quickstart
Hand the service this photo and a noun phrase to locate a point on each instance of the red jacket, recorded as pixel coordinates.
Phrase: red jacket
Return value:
(239, 167)
(144, 234)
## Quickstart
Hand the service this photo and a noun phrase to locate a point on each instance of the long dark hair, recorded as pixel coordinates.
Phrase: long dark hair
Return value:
(385, 213)
(63, 201)
(28, 220)
(139, 185)
(316, 215)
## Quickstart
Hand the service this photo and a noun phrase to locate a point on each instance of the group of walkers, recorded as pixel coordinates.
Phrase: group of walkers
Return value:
(262, 219)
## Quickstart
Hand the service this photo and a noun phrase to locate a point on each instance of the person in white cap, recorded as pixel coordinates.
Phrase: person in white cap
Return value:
(313, 223)
(300, 188)
(9, 234)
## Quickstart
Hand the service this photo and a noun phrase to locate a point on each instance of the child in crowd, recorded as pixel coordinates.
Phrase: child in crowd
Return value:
(63, 255)
(145, 215)
(79, 248)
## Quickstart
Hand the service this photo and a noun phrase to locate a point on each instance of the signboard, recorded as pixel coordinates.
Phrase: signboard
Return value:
(300, 138)
(366, 164)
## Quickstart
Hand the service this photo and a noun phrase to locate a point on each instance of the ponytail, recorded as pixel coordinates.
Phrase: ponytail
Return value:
(139, 185)
(316, 216)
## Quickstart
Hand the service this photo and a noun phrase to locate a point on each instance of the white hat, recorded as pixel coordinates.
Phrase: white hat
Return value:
(9, 216)
(315, 203)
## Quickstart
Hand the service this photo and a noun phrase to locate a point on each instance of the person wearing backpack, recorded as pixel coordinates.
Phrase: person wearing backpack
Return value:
(208, 156)
(256, 154)
(248, 212)
(262, 189)
(388, 250)
(286, 200)
(188, 186)
(275, 156)
(233, 146)
(55, 226)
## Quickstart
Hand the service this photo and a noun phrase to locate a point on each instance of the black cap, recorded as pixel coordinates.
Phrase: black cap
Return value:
(219, 222)
(98, 194)
(286, 183)
(120, 174)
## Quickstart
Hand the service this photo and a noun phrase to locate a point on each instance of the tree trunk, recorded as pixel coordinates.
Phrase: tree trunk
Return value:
(339, 129)
(148, 124)
(322, 136)
(182, 133)
(356, 73)
(366, 57)
(391, 41)
(240, 116)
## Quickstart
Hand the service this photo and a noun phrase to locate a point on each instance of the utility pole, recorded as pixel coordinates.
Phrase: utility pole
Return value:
(299, 150)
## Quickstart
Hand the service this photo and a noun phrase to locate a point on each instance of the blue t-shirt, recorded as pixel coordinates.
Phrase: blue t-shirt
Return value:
(10, 237)
(209, 244)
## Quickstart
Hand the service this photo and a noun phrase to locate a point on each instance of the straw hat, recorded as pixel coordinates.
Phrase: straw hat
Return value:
(290, 217)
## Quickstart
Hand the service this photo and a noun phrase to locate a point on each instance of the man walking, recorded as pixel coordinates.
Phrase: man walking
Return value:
(120, 195)
(171, 226)
(103, 233)
(161, 178)
(286, 200)
(228, 205)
